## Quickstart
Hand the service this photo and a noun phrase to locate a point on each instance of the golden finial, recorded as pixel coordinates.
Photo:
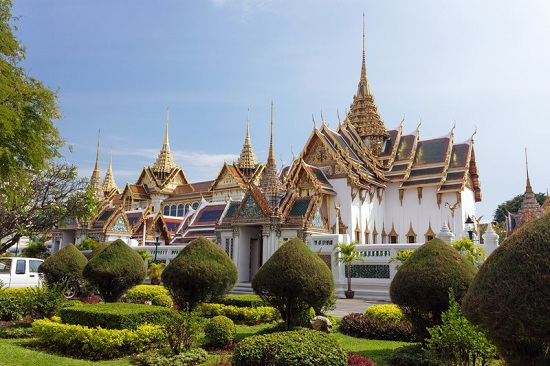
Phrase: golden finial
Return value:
(313, 119)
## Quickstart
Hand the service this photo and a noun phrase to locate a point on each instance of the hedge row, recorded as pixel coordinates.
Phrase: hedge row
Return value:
(240, 315)
(386, 313)
(96, 343)
(114, 315)
(243, 301)
(302, 347)
(363, 326)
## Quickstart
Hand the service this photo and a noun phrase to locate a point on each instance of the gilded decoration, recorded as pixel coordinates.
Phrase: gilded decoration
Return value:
(419, 192)
(119, 225)
(401, 194)
(317, 220)
(250, 210)
(236, 231)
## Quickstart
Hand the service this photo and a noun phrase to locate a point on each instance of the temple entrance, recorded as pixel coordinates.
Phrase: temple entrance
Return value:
(250, 252)
(256, 252)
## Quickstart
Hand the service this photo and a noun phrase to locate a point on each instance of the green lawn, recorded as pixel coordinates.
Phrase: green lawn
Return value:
(16, 352)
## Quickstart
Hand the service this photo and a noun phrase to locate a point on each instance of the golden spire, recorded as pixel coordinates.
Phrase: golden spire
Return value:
(270, 183)
(363, 112)
(109, 183)
(95, 180)
(165, 163)
(247, 160)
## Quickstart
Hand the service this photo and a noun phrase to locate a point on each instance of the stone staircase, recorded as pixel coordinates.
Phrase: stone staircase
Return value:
(242, 288)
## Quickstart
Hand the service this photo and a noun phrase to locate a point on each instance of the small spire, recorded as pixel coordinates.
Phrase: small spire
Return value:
(109, 182)
(95, 180)
(314, 123)
(270, 182)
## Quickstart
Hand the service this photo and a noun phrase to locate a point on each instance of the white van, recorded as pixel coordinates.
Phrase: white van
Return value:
(19, 272)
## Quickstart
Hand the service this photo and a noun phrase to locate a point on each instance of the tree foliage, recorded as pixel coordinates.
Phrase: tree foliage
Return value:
(52, 196)
(420, 286)
(200, 272)
(29, 140)
(346, 254)
(510, 296)
(114, 270)
(293, 280)
(513, 205)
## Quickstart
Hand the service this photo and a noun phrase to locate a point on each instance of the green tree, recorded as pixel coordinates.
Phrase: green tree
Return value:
(200, 272)
(114, 270)
(35, 249)
(54, 195)
(420, 286)
(510, 296)
(293, 280)
(346, 254)
(513, 205)
(29, 140)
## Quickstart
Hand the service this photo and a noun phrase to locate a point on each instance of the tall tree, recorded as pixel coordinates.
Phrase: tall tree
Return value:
(29, 140)
(52, 196)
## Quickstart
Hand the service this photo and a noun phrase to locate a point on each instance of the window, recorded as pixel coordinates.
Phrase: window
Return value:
(166, 211)
(20, 266)
(393, 239)
(180, 210)
(366, 237)
(33, 265)
(5, 264)
(173, 210)
(411, 239)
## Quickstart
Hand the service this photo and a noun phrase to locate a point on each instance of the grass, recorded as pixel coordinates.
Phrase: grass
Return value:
(19, 352)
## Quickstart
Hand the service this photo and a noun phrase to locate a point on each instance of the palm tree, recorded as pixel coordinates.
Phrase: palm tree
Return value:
(346, 254)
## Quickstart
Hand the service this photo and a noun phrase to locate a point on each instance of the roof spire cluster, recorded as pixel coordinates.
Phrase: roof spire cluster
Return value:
(95, 180)
(270, 183)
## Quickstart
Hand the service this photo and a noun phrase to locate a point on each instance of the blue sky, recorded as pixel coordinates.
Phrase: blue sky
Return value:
(118, 65)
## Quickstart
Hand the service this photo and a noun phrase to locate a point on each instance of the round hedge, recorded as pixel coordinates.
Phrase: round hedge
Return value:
(114, 270)
(294, 279)
(219, 331)
(301, 347)
(421, 285)
(66, 263)
(510, 296)
(201, 271)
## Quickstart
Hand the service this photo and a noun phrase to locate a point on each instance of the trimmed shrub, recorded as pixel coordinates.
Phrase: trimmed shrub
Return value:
(459, 341)
(115, 315)
(17, 330)
(421, 285)
(12, 302)
(114, 270)
(363, 326)
(386, 313)
(165, 357)
(510, 296)
(156, 294)
(219, 331)
(414, 355)
(241, 315)
(294, 279)
(98, 249)
(65, 264)
(202, 271)
(96, 343)
(293, 348)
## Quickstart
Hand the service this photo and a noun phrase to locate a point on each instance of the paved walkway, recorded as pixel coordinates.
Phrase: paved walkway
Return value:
(346, 306)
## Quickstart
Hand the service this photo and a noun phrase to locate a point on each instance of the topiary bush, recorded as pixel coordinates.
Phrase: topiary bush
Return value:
(65, 267)
(202, 271)
(414, 355)
(364, 326)
(294, 279)
(510, 296)
(292, 348)
(421, 285)
(165, 357)
(243, 300)
(241, 315)
(114, 270)
(219, 331)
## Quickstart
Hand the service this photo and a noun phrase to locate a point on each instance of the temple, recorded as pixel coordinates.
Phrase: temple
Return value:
(360, 182)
